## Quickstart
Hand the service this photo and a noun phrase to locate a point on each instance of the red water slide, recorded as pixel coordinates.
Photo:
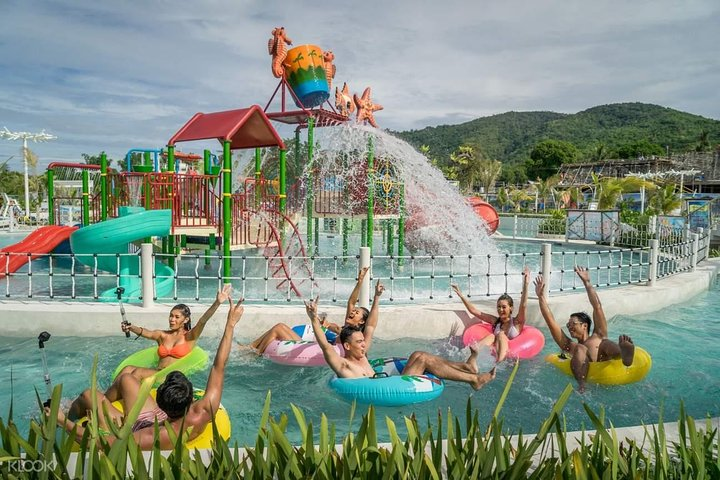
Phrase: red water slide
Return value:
(40, 242)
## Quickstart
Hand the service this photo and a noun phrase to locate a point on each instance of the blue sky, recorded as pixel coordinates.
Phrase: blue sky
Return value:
(104, 75)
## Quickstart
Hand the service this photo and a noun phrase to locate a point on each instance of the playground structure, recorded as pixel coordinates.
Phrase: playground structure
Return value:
(170, 195)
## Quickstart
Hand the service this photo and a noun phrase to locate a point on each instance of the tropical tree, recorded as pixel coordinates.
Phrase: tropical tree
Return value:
(548, 155)
(609, 190)
(664, 200)
(599, 152)
(465, 167)
(703, 141)
(546, 189)
(503, 199)
(488, 173)
(640, 148)
(518, 196)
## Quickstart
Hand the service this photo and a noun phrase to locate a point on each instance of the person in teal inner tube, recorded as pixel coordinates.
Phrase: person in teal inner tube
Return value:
(595, 347)
(174, 401)
(355, 363)
(360, 317)
(179, 338)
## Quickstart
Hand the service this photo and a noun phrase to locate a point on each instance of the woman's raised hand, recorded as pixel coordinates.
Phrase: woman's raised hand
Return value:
(311, 307)
(224, 294)
(379, 288)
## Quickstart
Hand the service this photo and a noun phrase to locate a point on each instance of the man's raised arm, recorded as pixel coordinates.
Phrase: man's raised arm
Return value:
(331, 356)
(601, 327)
(555, 330)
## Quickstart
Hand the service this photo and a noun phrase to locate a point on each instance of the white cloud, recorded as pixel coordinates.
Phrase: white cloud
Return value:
(116, 75)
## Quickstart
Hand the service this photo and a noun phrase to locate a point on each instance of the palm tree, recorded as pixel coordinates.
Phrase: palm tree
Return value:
(664, 200)
(488, 173)
(519, 195)
(546, 189)
(611, 190)
(464, 167)
(503, 198)
(703, 141)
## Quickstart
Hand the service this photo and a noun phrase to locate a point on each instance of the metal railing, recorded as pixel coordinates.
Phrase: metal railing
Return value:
(408, 279)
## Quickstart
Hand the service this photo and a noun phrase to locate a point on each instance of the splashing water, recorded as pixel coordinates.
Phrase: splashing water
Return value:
(439, 221)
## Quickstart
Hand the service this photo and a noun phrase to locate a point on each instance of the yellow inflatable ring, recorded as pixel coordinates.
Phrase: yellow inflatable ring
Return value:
(205, 439)
(609, 372)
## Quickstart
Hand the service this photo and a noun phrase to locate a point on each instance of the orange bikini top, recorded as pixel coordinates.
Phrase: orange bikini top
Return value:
(178, 351)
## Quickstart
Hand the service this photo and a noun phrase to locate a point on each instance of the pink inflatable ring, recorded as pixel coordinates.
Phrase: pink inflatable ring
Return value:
(526, 345)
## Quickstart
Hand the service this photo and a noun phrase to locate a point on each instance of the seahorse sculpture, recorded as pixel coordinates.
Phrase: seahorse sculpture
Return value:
(277, 47)
(328, 58)
(366, 108)
(344, 101)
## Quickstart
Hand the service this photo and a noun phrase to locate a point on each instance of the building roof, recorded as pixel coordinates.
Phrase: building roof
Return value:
(243, 128)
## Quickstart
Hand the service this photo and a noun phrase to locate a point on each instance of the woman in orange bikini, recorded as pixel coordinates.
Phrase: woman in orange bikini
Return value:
(179, 339)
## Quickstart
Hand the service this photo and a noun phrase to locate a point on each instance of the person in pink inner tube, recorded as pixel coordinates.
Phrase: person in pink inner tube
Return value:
(366, 320)
(504, 326)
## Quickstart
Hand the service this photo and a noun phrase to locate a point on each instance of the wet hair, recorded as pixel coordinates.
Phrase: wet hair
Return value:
(347, 332)
(175, 394)
(185, 310)
(365, 314)
(506, 297)
(584, 318)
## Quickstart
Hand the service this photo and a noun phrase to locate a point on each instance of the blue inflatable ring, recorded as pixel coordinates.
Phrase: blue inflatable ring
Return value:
(389, 387)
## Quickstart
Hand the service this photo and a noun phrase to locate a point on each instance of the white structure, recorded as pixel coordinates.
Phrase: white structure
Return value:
(25, 136)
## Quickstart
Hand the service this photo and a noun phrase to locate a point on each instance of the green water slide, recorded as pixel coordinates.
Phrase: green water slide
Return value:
(111, 237)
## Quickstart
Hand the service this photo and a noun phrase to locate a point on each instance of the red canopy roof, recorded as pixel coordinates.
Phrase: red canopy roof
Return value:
(243, 128)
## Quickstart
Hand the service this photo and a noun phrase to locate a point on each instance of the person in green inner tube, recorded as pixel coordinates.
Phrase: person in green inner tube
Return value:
(355, 364)
(174, 400)
(360, 317)
(180, 337)
(595, 347)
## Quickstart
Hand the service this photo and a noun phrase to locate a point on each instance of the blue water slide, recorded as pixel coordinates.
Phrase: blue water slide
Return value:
(112, 237)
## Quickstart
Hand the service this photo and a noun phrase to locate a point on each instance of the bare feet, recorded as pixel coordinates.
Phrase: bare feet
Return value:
(482, 379)
(627, 349)
(246, 349)
(471, 362)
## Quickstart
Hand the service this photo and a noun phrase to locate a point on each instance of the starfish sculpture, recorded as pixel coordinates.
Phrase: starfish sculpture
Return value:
(366, 108)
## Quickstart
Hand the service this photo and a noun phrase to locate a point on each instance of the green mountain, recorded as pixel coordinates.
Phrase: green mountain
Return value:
(510, 137)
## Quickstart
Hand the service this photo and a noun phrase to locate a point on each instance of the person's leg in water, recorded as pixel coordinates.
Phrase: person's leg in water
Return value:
(625, 349)
(501, 346)
(421, 362)
(137, 372)
(279, 331)
(125, 388)
(579, 364)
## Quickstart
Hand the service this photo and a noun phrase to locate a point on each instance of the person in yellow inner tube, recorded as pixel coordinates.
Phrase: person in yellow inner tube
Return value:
(595, 347)
(174, 399)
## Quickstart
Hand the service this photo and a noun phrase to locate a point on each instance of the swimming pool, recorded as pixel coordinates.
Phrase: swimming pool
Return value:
(679, 338)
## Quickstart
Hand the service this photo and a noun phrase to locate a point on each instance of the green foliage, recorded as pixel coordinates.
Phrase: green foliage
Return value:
(452, 449)
(640, 148)
(547, 156)
(510, 137)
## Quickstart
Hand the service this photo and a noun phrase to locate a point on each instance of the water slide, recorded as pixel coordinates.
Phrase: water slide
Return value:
(112, 237)
(40, 242)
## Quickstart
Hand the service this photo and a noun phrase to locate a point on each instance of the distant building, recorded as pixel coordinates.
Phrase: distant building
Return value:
(704, 179)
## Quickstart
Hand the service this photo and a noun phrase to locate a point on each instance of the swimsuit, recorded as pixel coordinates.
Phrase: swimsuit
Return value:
(148, 418)
(512, 331)
(177, 351)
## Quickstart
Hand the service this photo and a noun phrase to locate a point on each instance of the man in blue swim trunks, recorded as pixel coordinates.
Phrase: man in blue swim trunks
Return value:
(595, 347)
(355, 363)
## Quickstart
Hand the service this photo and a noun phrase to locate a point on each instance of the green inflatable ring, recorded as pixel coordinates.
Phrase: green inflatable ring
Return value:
(193, 362)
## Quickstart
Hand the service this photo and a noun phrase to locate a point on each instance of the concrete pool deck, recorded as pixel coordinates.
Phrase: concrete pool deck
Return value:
(28, 318)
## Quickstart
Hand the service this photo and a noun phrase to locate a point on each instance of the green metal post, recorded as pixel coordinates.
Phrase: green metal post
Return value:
(309, 190)
(51, 196)
(85, 198)
(317, 236)
(363, 233)
(206, 162)
(401, 226)
(258, 173)
(171, 158)
(345, 235)
(227, 209)
(103, 187)
(390, 237)
(296, 153)
(371, 192)
(147, 159)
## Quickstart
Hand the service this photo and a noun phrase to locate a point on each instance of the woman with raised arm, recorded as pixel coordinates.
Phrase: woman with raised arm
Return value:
(178, 339)
(505, 327)
(355, 316)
